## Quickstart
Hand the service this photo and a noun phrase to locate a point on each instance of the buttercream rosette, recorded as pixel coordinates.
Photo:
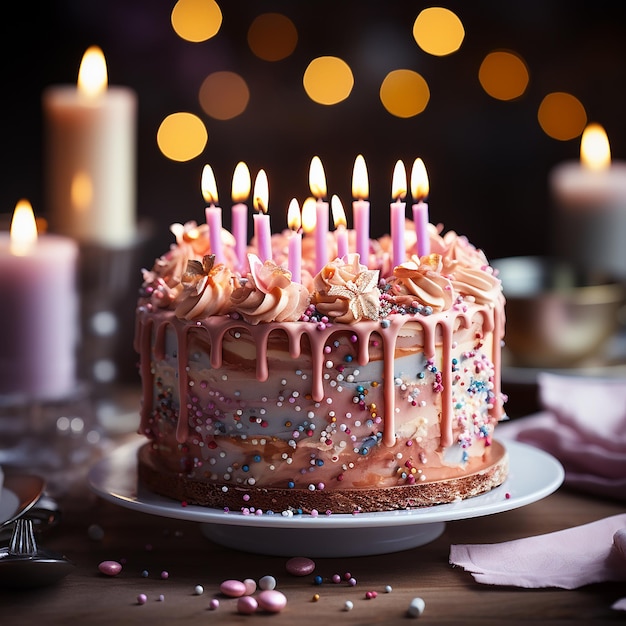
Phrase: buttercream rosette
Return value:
(420, 281)
(347, 292)
(207, 288)
(268, 294)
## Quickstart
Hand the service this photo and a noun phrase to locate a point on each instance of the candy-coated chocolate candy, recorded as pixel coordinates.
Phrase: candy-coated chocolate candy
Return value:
(110, 568)
(300, 566)
(267, 582)
(250, 586)
(247, 605)
(272, 600)
(233, 588)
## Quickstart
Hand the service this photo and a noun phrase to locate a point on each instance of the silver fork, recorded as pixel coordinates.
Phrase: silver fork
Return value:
(23, 538)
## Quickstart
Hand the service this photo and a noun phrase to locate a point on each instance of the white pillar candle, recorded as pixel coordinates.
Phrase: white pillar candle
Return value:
(590, 209)
(39, 315)
(90, 157)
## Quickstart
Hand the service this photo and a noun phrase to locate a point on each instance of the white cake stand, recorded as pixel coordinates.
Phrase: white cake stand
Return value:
(533, 475)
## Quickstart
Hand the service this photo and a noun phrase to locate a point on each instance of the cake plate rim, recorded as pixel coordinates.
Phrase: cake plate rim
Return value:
(533, 474)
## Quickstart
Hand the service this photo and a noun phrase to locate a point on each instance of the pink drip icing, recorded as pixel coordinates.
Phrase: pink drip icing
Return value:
(217, 327)
(389, 347)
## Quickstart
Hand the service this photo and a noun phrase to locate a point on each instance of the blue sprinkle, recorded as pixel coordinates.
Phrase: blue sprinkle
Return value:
(291, 484)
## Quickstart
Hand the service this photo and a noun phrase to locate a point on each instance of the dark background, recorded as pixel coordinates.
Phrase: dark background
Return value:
(488, 161)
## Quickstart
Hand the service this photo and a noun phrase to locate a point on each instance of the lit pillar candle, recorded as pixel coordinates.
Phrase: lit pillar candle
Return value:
(262, 229)
(419, 191)
(90, 157)
(39, 314)
(361, 209)
(240, 193)
(590, 209)
(294, 221)
(317, 184)
(213, 213)
(398, 214)
(341, 230)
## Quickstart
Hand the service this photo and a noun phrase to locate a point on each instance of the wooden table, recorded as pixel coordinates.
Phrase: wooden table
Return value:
(151, 544)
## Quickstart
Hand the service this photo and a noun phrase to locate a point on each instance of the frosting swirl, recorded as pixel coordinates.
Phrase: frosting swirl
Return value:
(347, 292)
(268, 294)
(421, 280)
(207, 289)
(187, 279)
(480, 284)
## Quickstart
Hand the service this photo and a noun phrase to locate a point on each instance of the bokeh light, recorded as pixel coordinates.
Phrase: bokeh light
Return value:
(182, 136)
(404, 93)
(272, 36)
(196, 20)
(328, 80)
(562, 116)
(503, 75)
(438, 31)
(224, 95)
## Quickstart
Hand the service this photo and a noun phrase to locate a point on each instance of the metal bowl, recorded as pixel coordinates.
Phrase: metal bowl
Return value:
(551, 320)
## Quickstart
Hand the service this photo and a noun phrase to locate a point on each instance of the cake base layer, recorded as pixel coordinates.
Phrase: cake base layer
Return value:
(179, 486)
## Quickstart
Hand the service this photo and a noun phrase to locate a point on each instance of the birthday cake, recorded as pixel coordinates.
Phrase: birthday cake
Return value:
(361, 387)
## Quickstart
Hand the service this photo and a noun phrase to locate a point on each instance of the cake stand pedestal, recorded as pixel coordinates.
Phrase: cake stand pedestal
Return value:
(341, 542)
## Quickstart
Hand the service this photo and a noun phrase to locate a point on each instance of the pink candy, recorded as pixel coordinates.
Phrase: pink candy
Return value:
(268, 599)
(110, 568)
(300, 566)
(247, 605)
(233, 588)
(272, 600)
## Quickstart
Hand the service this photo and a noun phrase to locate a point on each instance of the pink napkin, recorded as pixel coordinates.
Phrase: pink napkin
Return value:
(570, 558)
(584, 426)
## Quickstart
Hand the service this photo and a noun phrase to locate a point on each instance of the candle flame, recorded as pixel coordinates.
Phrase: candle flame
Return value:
(339, 215)
(309, 216)
(92, 74)
(209, 186)
(261, 194)
(294, 219)
(241, 183)
(419, 181)
(23, 232)
(595, 151)
(398, 183)
(317, 178)
(360, 182)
